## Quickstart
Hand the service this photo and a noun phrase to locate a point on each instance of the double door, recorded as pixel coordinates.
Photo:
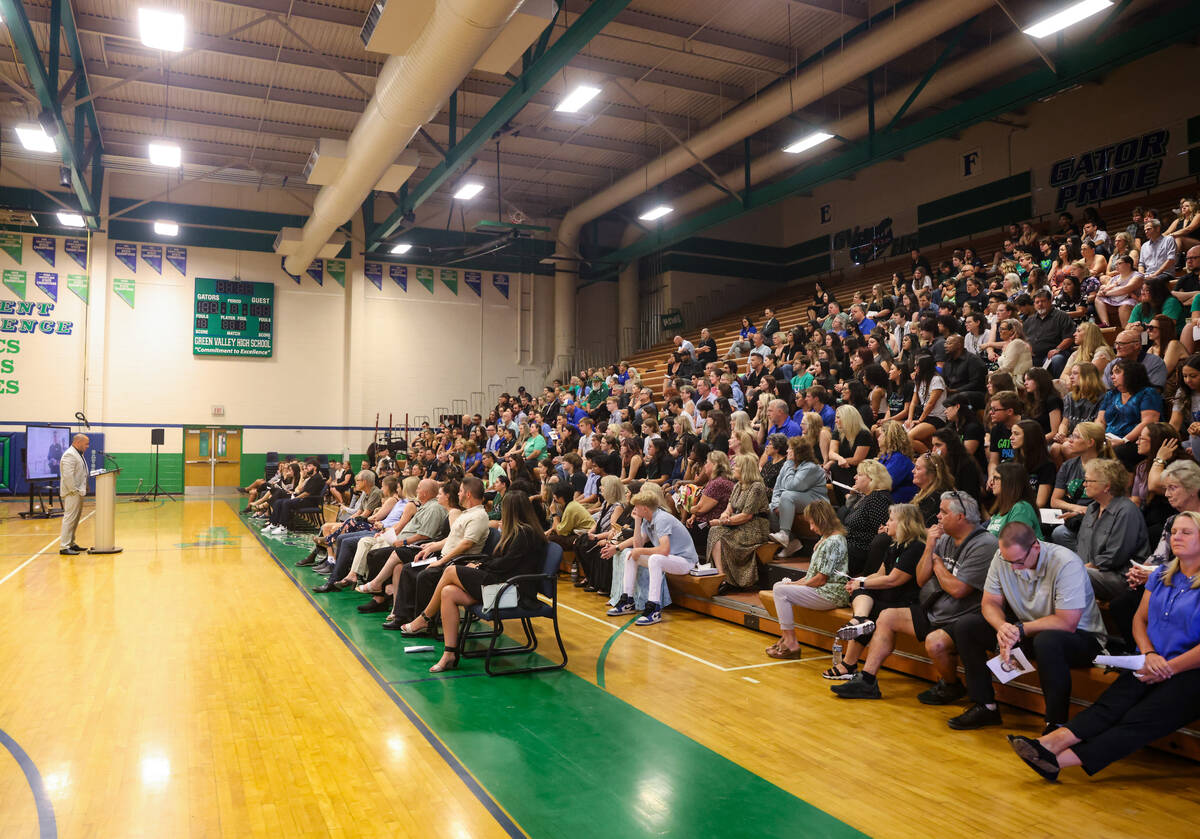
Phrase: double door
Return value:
(212, 459)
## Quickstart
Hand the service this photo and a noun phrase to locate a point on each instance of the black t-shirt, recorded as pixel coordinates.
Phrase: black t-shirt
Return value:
(968, 478)
(974, 431)
(312, 486)
(897, 399)
(1001, 442)
(1188, 282)
(578, 481)
(905, 558)
(1042, 475)
(864, 438)
(1054, 403)
(706, 349)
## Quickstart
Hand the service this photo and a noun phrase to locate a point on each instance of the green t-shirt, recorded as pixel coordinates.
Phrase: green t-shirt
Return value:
(803, 383)
(1023, 512)
(495, 472)
(535, 446)
(1172, 309)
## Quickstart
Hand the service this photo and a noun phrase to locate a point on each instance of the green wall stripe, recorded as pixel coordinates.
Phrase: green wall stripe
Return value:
(140, 465)
(970, 199)
(989, 219)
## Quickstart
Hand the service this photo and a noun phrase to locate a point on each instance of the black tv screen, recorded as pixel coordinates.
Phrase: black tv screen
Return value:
(44, 447)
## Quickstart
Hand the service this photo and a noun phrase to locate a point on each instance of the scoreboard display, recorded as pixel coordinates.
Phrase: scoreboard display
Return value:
(233, 317)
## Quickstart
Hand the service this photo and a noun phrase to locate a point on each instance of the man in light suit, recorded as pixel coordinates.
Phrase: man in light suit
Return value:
(72, 487)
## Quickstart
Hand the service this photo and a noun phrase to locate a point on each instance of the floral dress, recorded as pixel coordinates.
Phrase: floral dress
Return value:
(738, 542)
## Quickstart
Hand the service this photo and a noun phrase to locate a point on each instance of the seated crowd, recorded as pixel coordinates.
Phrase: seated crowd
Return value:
(969, 457)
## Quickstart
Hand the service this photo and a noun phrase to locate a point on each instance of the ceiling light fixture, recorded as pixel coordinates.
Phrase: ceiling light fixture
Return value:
(1067, 17)
(161, 30)
(811, 141)
(166, 154)
(162, 227)
(577, 98)
(468, 191)
(70, 219)
(656, 213)
(403, 247)
(35, 138)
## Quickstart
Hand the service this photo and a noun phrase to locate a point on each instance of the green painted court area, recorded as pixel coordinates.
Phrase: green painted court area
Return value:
(562, 756)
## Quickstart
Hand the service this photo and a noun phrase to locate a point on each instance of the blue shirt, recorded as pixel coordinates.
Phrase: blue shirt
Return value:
(900, 467)
(1121, 419)
(789, 428)
(865, 326)
(827, 414)
(1173, 620)
(664, 524)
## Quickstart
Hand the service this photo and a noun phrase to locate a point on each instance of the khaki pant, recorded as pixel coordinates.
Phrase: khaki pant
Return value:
(72, 506)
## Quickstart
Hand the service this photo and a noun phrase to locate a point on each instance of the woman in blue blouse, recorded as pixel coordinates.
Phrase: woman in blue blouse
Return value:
(1152, 702)
(743, 344)
(1129, 407)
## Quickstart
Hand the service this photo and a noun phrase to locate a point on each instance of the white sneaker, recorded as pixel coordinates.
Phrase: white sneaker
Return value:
(793, 548)
(780, 537)
(277, 530)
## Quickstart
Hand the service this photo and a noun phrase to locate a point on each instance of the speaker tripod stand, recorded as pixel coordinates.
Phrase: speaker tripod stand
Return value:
(156, 490)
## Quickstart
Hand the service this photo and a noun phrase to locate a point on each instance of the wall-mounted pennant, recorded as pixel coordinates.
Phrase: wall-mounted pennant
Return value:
(78, 283)
(77, 249)
(374, 272)
(44, 246)
(152, 256)
(124, 290)
(500, 281)
(15, 280)
(177, 256)
(48, 282)
(425, 278)
(399, 275)
(474, 281)
(295, 277)
(450, 279)
(127, 253)
(11, 244)
(317, 271)
(337, 270)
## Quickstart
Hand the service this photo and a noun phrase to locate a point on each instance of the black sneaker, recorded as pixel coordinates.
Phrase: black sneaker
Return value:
(942, 693)
(858, 688)
(1040, 759)
(977, 716)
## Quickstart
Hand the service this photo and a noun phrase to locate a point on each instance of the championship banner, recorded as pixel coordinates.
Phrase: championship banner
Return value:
(474, 281)
(337, 270)
(282, 260)
(44, 247)
(152, 256)
(177, 256)
(450, 279)
(425, 278)
(78, 283)
(317, 271)
(15, 280)
(11, 244)
(77, 249)
(500, 282)
(374, 272)
(127, 253)
(48, 283)
(124, 289)
(399, 275)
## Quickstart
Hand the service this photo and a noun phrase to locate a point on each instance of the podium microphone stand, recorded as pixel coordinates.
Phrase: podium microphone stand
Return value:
(106, 508)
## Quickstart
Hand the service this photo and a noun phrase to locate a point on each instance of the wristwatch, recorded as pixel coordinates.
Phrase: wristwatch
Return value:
(1160, 461)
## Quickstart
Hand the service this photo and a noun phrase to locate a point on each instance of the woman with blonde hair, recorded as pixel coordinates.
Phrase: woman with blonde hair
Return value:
(854, 444)
(1017, 356)
(892, 585)
(713, 499)
(1123, 245)
(1088, 341)
(1080, 403)
(609, 519)
(865, 512)
(1185, 229)
(896, 454)
(1085, 443)
(824, 584)
(931, 476)
(741, 528)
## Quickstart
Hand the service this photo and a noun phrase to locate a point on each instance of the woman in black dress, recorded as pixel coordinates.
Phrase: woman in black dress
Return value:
(521, 550)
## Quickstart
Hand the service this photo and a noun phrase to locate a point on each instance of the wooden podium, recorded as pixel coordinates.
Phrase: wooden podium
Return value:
(106, 510)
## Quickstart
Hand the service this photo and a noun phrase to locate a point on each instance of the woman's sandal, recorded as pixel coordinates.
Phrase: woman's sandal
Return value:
(845, 672)
(782, 653)
(362, 589)
(450, 665)
(407, 629)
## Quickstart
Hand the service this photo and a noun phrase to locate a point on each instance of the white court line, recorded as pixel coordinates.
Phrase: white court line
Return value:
(767, 664)
(53, 542)
(753, 681)
(562, 605)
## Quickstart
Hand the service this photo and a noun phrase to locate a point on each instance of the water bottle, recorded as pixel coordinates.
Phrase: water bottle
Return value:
(837, 651)
(575, 571)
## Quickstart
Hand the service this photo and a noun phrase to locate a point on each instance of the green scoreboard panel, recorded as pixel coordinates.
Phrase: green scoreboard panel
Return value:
(233, 317)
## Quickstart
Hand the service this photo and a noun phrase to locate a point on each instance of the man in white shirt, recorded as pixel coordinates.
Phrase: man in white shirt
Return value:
(72, 487)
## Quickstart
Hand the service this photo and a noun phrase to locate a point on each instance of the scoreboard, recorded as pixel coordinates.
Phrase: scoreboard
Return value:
(233, 317)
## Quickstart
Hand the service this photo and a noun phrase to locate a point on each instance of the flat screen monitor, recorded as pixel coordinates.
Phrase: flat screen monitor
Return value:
(44, 447)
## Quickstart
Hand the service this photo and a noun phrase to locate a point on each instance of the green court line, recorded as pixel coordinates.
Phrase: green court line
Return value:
(607, 646)
(565, 757)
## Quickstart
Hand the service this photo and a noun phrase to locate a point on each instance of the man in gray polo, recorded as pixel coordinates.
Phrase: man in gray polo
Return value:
(1046, 589)
(1158, 252)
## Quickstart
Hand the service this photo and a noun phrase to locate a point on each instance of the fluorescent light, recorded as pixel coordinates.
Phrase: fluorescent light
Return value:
(166, 154)
(468, 191)
(577, 98)
(70, 219)
(805, 143)
(166, 228)
(35, 138)
(403, 247)
(657, 213)
(1068, 16)
(161, 30)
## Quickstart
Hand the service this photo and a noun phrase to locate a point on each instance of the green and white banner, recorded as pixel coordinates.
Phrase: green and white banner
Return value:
(425, 278)
(15, 281)
(336, 268)
(124, 290)
(450, 279)
(11, 244)
(78, 283)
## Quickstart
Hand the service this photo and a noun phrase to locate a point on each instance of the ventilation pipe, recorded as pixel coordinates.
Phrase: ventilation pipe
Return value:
(978, 67)
(917, 25)
(409, 92)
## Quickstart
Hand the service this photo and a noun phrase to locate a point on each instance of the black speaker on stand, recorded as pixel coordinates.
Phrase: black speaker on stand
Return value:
(158, 436)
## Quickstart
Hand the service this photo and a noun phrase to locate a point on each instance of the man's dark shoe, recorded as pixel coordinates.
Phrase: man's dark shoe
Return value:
(325, 589)
(372, 606)
(858, 688)
(69, 552)
(977, 716)
(311, 559)
(942, 694)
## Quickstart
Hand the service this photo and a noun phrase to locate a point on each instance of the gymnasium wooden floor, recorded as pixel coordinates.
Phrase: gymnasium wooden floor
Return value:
(191, 686)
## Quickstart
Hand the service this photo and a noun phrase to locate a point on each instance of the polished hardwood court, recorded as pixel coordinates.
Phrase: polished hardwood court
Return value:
(190, 687)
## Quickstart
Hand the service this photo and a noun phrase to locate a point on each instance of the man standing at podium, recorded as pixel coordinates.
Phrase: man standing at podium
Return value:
(72, 487)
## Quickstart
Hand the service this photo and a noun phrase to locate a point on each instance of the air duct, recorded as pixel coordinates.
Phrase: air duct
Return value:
(917, 25)
(409, 92)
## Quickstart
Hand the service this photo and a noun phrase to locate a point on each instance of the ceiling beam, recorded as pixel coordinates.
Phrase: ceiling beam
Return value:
(667, 78)
(853, 9)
